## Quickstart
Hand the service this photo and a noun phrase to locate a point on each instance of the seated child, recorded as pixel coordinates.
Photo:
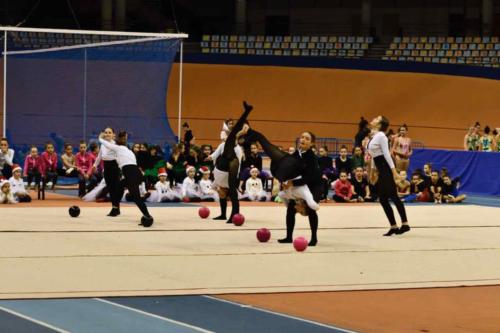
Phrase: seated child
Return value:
(418, 190)
(164, 193)
(33, 168)
(190, 190)
(205, 183)
(253, 188)
(17, 185)
(6, 195)
(360, 187)
(69, 168)
(450, 192)
(343, 189)
(49, 158)
(403, 185)
(436, 184)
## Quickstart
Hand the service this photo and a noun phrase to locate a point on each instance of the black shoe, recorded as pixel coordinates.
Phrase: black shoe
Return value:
(404, 228)
(220, 217)
(230, 220)
(313, 242)
(285, 240)
(392, 231)
(247, 106)
(114, 212)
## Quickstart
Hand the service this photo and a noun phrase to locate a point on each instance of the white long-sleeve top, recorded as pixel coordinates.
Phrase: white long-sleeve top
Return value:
(189, 187)
(17, 185)
(6, 158)
(105, 154)
(218, 152)
(253, 186)
(124, 156)
(206, 186)
(379, 145)
(162, 188)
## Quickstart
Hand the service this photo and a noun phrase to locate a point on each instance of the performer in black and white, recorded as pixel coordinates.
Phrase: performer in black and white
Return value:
(132, 174)
(300, 176)
(227, 159)
(384, 175)
(111, 170)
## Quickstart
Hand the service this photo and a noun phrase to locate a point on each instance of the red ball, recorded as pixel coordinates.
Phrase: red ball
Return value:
(238, 219)
(185, 199)
(300, 244)
(204, 212)
(263, 235)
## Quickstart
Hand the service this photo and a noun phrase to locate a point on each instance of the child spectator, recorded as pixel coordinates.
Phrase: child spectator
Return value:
(486, 141)
(203, 160)
(450, 192)
(190, 190)
(17, 185)
(177, 166)
(6, 159)
(49, 158)
(357, 159)
(426, 176)
(436, 186)
(207, 192)
(418, 190)
(6, 196)
(252, 160)
(343, 162)
(343, 188)
(164, 193)
(360, 187)
(69, 168)
(253, 189)
(403, 185)
(326, 166)
(33, 168)
(84, 166)
(496, 133)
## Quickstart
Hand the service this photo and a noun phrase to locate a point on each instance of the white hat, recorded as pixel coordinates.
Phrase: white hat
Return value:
(16, 167)
(189, 167)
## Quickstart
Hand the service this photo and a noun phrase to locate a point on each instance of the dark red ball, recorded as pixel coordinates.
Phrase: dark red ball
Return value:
(263, 235)
(238, 220)
(300, 244)
(204, 212)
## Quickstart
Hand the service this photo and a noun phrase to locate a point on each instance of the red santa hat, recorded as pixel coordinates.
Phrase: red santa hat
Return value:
(204, 170)
(16, 167)
(189, 167)
(162, 172)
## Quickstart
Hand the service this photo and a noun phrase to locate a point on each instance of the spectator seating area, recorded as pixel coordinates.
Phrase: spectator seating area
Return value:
(483, 51)
(328, 46)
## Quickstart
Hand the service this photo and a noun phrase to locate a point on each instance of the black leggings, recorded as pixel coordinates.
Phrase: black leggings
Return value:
(112, 179)
(133, 179)
(290, 220)
(387, 190)
(283, 165)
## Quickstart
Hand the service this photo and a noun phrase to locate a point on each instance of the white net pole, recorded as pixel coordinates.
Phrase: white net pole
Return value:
(85, 96)
(180, 93)
(4, 134)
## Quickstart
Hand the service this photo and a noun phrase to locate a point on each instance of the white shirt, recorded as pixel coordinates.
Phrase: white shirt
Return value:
(189, 187)
(218, 152)
(6, 158)
(206, 186)
(17, 185)
(162, 188)
(105, 154)
(253, 186)
(378, 146)
(124, 156)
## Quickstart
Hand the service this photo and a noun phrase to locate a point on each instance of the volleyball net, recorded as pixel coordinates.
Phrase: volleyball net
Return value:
(67, 85)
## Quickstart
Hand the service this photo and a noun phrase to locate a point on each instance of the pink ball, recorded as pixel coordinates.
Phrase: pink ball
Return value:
(263, 235)
(204, 212)
(238, 219)
(300, 244)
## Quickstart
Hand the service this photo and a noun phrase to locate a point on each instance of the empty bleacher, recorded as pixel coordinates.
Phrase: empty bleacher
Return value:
(327, 46)
(482, 51)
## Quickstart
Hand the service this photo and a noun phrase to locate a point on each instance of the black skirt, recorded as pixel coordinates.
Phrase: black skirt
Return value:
(385, 185)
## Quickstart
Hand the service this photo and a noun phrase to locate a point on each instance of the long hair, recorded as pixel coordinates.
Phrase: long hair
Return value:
(121, 138)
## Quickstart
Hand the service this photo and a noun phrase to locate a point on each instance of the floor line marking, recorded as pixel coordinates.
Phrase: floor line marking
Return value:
(36, 321)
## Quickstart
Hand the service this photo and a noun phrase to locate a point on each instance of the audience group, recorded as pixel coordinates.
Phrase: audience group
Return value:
(186, 174)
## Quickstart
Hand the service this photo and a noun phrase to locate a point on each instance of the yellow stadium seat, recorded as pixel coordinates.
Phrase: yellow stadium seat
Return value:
(393, 46)
(311, 45)
(423, 39)
(477, 40)
(287, 39)
(428, 46)
(233, 38)
(423, 53)
(414, 39)
(332, 39)
(419, 59)
(205, 38)
(205, 50)
(267, 45)
(450, 39)
(405, 40)
(389, 52)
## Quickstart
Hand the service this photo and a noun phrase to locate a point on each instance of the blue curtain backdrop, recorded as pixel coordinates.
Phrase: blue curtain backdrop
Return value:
(479, 172)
